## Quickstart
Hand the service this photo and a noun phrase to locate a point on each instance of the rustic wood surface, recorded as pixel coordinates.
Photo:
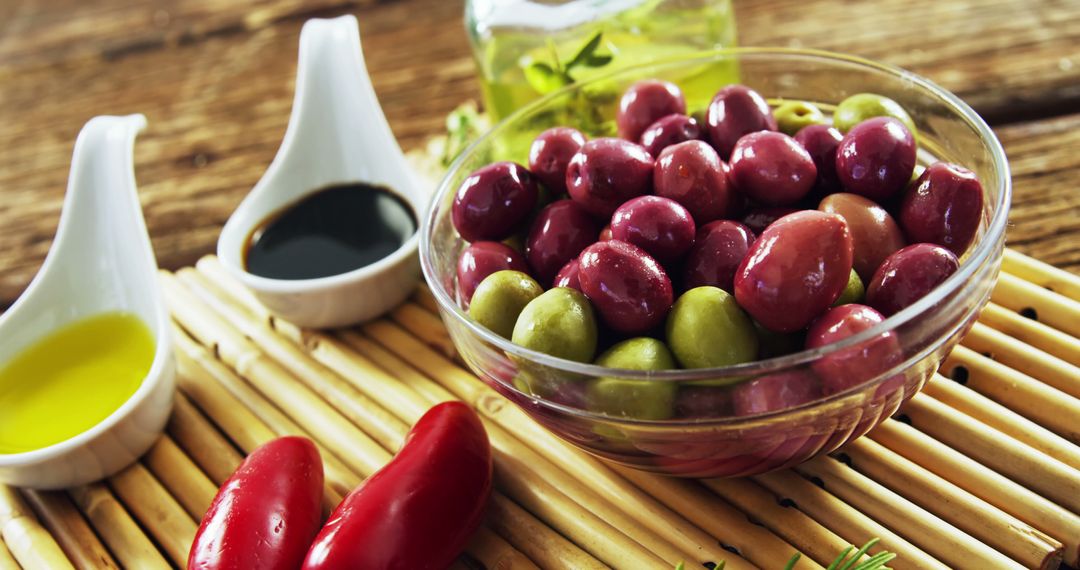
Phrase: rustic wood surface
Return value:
(215, 80)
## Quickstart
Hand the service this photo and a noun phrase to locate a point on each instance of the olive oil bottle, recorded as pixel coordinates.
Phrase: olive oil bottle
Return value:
(72, 379)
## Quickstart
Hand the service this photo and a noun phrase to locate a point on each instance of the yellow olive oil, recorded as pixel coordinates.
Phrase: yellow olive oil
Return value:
(72, 379)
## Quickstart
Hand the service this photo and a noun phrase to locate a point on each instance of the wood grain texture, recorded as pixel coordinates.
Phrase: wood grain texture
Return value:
(215, 80)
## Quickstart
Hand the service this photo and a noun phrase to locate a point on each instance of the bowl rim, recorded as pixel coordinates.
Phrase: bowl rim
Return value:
(976, 259)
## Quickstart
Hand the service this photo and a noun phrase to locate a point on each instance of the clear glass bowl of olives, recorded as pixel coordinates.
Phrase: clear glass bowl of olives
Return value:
(719, 280)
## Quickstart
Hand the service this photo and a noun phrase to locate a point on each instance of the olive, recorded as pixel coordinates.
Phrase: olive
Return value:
(772, 168)
(669, 130)
(873, 231)
(494, 201)
(660, 226)
(821, 141)
(500, 298)
(854, 291)
(944, 207)
(482, 258)
(629, 288)
(862, 106)
(842, 369)
(608, 172)
(734, 111)
(558, 234)
(568, 275)
(718, 249)
(875, 159)
(644, 103)
(760, 218)
(692, 174)
(560, 322)
(641, 399)
(550, 154)
(772, 344)
(694, 401)
(908, 275)
(706, 328)
(795, 270)
(776, 391)
(793, 116)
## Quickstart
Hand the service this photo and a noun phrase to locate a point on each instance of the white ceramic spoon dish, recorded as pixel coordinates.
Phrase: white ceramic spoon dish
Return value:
(337, 134)
(100, 261)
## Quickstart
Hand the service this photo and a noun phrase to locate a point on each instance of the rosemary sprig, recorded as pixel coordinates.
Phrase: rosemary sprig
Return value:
(842, 561)
(549, 76)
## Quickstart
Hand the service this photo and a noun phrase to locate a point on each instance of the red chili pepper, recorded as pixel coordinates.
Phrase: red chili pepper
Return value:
(420, 509)
(266, 513)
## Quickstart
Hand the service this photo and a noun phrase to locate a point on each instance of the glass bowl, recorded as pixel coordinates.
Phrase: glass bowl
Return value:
(704, 438)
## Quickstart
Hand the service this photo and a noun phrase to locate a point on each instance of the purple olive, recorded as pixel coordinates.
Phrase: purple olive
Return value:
(558, 234)
(481, 259)
(692, 174)
(876, 158)
(669, 130)
(719, 248)
(842, 369)
(494, 201)
(644, 103)
(772, 168)
(776, 391)
(873, 231)
(607, 172)
(797, 267)
(944, 206)
(908, 275)
(568, 275)
(660, 226)
(628, 288)
(759, 219)
(550, 154)
(822, 141)
(702, 402)
(736, 110)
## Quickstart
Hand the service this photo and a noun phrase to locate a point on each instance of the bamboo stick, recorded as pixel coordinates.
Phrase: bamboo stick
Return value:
(428, 327)
(1002, 531)
(792, 525)
(212, 330)
(216, 273)
(70, 529)
(389, 362)
(184, 480)
(30, 544)
(1032, 332)
(7, 561)
(127, 542)
(201, 440)
(752, 542)
(1022, 463)
(537, 541)
(485, 541)
(1058, 311)
(1003, 419)
(1024, 358)
(1041, 273)
(660, 520)
(373, 419)
(157, 511)
(423, 297)
(242, 418)
(1043, 404)
(844, 520)
(939, 538)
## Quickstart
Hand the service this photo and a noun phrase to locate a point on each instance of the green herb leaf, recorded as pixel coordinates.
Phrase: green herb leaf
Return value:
(543, 78)
(598, 60)
(792, 561)
(680, 566)
(586, 51)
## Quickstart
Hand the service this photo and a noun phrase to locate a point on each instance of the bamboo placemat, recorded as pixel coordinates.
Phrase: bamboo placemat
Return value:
(980, 472)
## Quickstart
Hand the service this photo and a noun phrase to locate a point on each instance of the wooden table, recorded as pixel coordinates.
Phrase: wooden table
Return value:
(215, 80)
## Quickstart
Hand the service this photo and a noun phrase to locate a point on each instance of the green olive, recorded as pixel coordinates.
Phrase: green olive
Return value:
(863, 106)
(642, 399)
(772, 344)
(853, 292)
(560, 322)
(792, 116)
(500, 298)
(706, 328)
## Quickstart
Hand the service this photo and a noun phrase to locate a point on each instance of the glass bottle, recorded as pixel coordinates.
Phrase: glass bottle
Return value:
(527, 48)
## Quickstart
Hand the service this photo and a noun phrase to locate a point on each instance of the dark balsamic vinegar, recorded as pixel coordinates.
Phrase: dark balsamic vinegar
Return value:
(331, 231)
